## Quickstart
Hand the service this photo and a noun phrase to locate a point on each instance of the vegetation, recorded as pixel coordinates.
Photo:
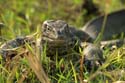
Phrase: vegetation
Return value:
(24, 17)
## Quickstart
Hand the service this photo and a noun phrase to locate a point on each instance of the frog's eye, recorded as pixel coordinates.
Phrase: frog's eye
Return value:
(45, 25)
(46, 28)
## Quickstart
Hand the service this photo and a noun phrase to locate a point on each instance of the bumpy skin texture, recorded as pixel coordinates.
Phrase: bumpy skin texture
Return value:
(60, 30)
(10, 45)
(57, 35)
(8, 48)
(61, 37)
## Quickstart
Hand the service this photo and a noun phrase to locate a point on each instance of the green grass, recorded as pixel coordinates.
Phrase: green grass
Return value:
(23, 17)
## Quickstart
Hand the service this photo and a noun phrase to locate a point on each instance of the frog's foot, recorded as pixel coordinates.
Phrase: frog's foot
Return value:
(93, 56)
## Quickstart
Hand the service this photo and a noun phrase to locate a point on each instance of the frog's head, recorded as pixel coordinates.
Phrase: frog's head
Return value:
(55, 30)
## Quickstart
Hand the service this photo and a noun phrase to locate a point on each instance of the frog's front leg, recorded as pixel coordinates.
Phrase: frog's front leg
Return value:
(93, 56)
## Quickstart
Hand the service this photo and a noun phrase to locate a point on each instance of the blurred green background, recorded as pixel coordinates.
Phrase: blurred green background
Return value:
(22, 17)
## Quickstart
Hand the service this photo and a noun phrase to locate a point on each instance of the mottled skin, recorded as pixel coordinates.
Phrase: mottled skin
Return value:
(8, 49)
(58, 36)
(61, 37)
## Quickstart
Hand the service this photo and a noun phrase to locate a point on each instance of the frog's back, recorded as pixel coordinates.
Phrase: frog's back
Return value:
(115, 24)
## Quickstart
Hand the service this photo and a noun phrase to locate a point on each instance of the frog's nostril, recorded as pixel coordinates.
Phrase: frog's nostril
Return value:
(60, 35)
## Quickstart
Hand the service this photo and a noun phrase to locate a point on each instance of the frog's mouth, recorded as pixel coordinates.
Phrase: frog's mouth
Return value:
(54, 38)
(55, 42)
